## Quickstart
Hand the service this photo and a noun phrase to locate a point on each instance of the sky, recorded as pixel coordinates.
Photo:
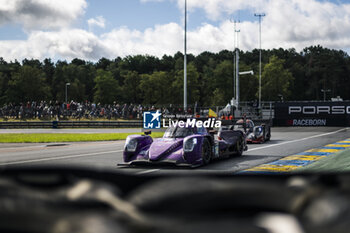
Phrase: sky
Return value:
(92, 29)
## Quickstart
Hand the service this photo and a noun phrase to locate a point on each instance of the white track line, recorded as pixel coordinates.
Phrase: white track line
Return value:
(147, 171)
(298, 140)
(58, 158)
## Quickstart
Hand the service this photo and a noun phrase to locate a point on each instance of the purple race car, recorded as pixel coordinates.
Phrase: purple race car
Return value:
(180, 146)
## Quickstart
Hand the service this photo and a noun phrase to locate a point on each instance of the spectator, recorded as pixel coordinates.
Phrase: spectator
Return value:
(55, 109)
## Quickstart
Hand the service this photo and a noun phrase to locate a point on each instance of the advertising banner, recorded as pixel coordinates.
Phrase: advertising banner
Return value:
(312, 114)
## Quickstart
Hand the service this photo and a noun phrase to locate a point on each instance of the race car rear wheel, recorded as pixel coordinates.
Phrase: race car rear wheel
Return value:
(240, 147)
(206, 152)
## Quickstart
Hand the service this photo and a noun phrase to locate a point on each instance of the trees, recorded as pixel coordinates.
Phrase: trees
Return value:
(156, 88)
(326, 69)
(3, 88)
(152, 80)
(276, 80)
(28, 84)
(248, 83)
(223, 82)
(79, 76)
(131, 89)
(192, 85)
(205, 64)
(106, 88)
(141, 64)
(218, 98)
(7, 69)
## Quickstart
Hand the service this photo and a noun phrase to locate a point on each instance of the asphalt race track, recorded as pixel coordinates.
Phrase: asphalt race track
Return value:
(106, 155)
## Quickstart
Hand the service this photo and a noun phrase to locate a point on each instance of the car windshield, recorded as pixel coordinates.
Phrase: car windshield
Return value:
(178, 132)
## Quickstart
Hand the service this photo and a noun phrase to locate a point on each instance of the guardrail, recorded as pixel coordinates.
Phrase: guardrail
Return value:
(71, 124)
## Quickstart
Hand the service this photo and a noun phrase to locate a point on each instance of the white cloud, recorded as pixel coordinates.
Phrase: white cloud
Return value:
(288, 24)
(160, 40)
(41, 14)
(99, 21)
(301, 23)
(63, 44)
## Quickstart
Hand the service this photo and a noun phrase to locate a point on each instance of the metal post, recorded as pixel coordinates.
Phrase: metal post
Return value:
(237, 68)
(259, 15)
(324, 93)
(324, 96)
(260, 62)
(234, 58)
(67, 84)
(237, 77)
(235, 46)
(185, 60)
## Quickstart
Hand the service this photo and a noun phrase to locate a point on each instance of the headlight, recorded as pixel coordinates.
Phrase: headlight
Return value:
(189, 144)
(131, 144)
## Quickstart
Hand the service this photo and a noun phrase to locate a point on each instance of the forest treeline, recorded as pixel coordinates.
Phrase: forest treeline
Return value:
(145, 79)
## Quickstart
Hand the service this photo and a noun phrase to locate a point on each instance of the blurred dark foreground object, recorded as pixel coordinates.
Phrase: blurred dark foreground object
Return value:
(77, 200)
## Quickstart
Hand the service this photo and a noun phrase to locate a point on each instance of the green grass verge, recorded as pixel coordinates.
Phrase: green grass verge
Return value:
(63, 137)
(339, 162)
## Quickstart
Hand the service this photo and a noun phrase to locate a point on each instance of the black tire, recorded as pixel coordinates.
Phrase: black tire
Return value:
(206, 152)
(268, 135)
(240, 147)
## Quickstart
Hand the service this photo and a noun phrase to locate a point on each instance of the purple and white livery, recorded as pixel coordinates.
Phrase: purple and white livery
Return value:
(183, 146)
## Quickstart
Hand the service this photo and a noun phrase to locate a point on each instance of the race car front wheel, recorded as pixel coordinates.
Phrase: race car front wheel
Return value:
(268, 136)
(206, 154)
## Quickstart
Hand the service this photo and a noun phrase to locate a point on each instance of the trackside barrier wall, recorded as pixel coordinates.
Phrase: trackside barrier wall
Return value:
(312, 114)
(85, 124)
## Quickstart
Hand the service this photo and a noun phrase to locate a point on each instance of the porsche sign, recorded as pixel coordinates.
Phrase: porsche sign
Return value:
(312, 110)
(312, 114)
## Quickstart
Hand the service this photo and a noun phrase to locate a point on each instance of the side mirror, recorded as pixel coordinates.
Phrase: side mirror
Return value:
(147, 132)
